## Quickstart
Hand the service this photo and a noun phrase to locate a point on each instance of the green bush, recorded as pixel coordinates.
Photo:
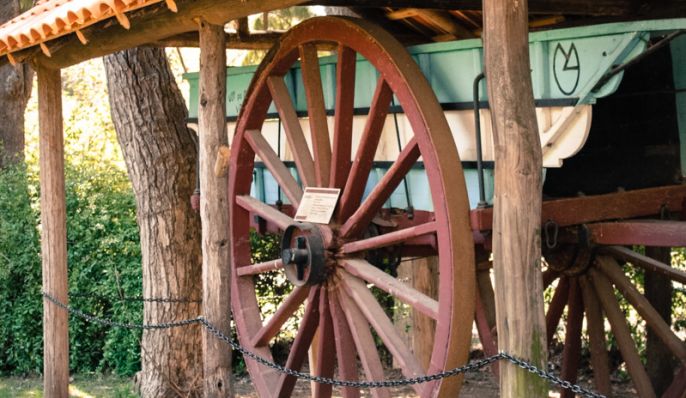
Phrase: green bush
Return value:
(104, 265)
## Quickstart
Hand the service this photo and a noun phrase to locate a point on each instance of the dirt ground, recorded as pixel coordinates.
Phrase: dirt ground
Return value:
(480, 384)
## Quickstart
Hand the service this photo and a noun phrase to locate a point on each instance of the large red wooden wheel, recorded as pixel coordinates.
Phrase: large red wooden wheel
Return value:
(334, 278)
(591, 282)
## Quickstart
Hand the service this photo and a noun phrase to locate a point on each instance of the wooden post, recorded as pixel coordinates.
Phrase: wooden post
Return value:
(518, 184)
(214, 211)
(416, 328)
(658, 290)
(53, 234)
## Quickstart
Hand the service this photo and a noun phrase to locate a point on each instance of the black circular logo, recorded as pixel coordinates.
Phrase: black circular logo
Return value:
(566, 68)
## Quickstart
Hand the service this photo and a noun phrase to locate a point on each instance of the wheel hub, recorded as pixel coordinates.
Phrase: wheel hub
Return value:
(303, 254)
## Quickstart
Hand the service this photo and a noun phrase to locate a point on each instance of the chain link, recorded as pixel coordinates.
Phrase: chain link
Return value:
(470, 367)
(135, 298)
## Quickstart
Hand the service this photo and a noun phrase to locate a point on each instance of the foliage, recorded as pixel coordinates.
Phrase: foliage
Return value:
(103, 261)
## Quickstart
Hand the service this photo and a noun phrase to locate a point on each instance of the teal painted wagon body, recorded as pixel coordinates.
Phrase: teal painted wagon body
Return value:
(567, 66)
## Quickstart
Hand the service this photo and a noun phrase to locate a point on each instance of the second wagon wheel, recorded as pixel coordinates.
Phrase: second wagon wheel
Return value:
(327, 264)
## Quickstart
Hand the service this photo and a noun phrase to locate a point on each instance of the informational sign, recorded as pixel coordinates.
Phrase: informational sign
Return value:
(317, 205)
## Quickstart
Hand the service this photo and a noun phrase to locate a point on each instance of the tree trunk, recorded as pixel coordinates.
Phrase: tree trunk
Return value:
(15, 90)
(518, 185)
(658, 290)
(160, 153)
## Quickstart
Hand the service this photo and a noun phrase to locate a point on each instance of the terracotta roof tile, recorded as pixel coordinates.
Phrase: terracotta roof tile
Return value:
(50, 19)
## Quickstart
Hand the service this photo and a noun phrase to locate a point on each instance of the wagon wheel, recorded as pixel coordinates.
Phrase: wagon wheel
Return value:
(587, 282)
(327, 263)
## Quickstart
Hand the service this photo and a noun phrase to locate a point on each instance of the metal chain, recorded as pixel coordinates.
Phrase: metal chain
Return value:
(470, 367)
(108, 322)
(135, 298)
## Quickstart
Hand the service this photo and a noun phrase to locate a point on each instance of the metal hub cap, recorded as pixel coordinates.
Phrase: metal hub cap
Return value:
(302, 253)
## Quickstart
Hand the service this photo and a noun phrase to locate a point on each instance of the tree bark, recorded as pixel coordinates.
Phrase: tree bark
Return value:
(15, 90)
(160, 153)
(518, 183)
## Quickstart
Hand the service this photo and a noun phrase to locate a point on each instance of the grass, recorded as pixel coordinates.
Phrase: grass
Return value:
(81, 386)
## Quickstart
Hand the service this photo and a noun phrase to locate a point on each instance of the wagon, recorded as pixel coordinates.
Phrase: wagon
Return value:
(396, 143)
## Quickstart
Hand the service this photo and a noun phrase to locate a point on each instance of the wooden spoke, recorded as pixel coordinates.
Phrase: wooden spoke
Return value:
(556, 307)
(614, 273)
(376, 316)
(364, 341)
(265, 211)
(289, 306)
(596, 336)
(486, 295)
(390, 238)
(549, 276)
(383, 190)
(622, 334)
(325, 350)
(364, 156)
(403, 292)
(294, 133)
(488, 340)
(254, 269)
(646, 263)
(345, 354)
(678, 386)
(316, 112)
(278, 169)
(571, 354)
(302, 342)
(343, 118)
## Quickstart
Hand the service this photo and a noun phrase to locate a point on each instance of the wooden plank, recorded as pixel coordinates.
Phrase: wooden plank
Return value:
(622, 334)
(390, 238)
(345, 354)
(571, 353)
(619, 205)
(646, 263)
(517, 197)
(287, 308)
(656, 233)
(301, 343)
(276, 166)
(364, 342)
(148, 25)
(254, 269)
(53, 233)
(614, 272)
(366, 150)
(376, 316)
(367, 210)
(343, 118)
(256, 41)
(444, 22)
(214, 211)
(316, 112)
(402, 291)
(600, 361)
(556, 307)
(265, 211)
(294, 133)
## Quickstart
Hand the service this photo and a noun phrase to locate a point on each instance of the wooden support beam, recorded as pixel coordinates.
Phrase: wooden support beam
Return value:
(571, 7)
(611, 206)
(149, 25)
(518, 185)
(53, 234)
(656, 233)
(438, 19)
(214, 211)
(255, 41)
